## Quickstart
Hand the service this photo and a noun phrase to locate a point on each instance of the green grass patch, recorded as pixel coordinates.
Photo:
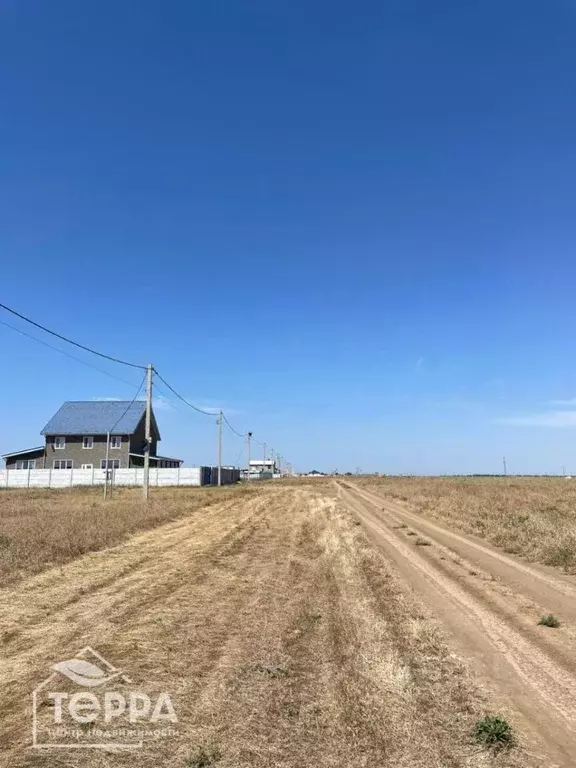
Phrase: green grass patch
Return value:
(494, 732)
(549, 621)
(204, 757)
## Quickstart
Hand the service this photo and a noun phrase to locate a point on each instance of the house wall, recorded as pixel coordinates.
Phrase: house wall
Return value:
(38, 455)
(79, 455)
(137, 440)
(95, 455)
(138, 461)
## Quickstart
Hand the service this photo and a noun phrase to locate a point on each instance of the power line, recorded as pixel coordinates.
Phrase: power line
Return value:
(199, 410)
(232, 428)
(129, 405)
(67, 354)
(106, 373)
(172, 402)
(69, 341)
(167, 398)
(238, 457)
(206, 413)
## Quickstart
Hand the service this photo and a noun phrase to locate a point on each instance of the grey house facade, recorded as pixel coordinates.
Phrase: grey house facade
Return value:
(79, 433)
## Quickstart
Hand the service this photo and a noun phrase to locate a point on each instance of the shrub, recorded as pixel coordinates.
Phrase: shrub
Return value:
(549, 621)
(494, 732)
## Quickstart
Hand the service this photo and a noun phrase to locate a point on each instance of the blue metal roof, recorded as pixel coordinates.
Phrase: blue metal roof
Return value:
(96, 417)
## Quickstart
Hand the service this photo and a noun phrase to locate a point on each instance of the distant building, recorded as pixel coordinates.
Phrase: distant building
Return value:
(263, 465)
(76, 438)
(261, 468)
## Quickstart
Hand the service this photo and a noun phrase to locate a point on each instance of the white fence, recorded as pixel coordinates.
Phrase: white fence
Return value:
(66, 478)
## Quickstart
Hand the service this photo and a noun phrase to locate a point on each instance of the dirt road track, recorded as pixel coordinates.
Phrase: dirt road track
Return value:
(490, 604)
(280, 632)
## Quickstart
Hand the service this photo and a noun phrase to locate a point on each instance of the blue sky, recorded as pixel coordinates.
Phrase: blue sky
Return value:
(351, 225)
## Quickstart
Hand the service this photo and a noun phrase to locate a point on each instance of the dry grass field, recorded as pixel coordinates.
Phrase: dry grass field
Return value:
(283, 634)
(43, 528)
(531, 517)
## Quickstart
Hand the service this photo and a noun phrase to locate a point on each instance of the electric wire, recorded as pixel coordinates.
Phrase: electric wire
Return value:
(199, 410)
(168, 398)
(239, 434)
(106, 373)
(67, 354)
(238, 457)
(206, 413)
(129, 405)
(69, 341)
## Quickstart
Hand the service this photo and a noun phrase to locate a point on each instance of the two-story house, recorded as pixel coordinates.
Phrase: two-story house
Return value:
(81, 432)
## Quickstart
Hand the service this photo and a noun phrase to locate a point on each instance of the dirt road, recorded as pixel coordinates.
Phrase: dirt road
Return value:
(490, 603)
(280, 632)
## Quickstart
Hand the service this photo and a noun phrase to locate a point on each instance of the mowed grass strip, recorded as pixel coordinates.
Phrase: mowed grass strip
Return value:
(43, 528)
(532, 517)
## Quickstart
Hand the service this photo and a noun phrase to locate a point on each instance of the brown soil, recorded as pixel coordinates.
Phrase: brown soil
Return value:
(490, 603)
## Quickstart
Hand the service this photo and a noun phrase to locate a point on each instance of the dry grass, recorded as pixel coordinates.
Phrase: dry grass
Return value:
(532, 517)
(281, 633)
(39, 529)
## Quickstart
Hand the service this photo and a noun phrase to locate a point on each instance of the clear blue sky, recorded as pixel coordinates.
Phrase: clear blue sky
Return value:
(350, 224)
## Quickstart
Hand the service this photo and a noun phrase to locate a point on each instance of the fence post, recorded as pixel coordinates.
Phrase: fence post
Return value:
(28, 478)
(49, 477)
(178, 475)
(92, 481)
(7, 482)
(71, 475)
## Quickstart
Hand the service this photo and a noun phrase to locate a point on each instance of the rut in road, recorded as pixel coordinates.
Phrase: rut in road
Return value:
(490, 605)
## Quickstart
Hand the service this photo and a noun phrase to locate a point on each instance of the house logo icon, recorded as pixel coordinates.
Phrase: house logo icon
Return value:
(88, 703)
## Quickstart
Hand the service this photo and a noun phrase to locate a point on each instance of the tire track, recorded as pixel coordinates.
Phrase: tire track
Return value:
(532, 679)
(543, 584)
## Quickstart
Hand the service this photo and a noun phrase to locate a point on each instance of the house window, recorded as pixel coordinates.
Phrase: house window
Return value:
(87, 442)
(59, 443)
(87, 466)
(112, 464)
(26, 464)
(63, 464)
(116, 441)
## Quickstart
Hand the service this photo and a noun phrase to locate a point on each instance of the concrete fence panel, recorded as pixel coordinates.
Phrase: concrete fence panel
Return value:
(66, 478)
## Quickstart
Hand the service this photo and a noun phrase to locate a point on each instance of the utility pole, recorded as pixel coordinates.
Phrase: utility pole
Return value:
(148, 436)
(505, 467)
(563, 471)
(249, 439)
(106, 465)
(220, 448)
(279, 461)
